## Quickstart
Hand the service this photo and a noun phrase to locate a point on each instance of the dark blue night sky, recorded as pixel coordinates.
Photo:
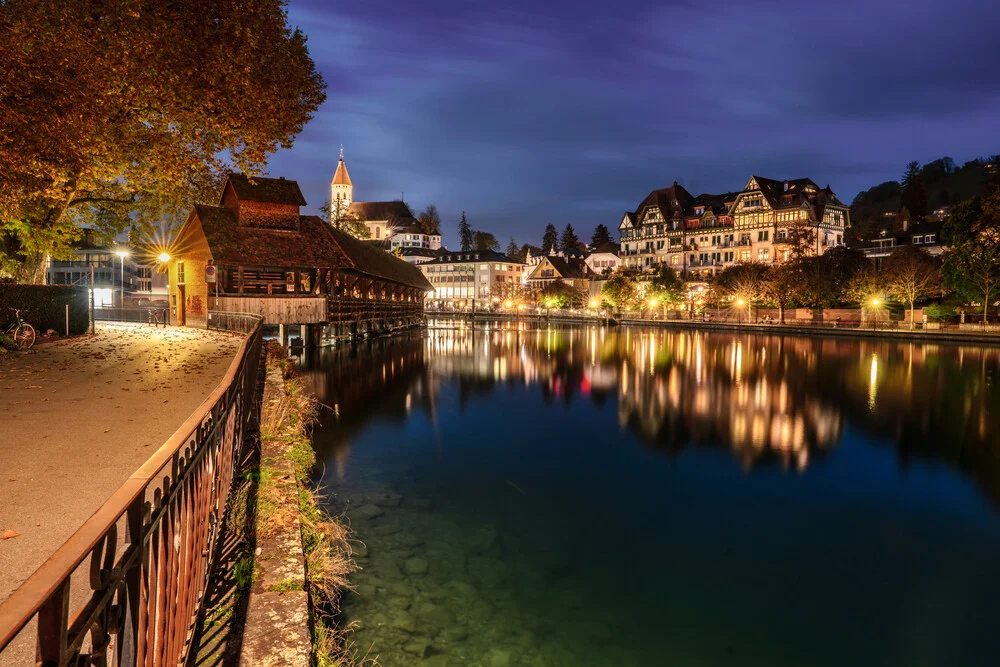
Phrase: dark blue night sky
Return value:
(522, 113)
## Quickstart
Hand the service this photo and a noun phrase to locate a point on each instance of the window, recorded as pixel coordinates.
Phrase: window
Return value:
(675, 259)
(763, 254)
(929, 238)
(305, 282)
(780, 236)
(762, 235)
(745, 255)
(180, 273)
(918, 239)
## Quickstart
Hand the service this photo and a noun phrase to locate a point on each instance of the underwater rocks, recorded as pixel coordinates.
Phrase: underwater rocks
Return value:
(365, 513)
(415, 566)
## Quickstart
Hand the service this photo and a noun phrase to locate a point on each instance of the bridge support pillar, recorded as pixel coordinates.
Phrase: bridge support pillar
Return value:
(312, 334)
(281, 334)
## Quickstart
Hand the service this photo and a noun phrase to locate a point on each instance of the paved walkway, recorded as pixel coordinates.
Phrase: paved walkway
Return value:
(78, 416)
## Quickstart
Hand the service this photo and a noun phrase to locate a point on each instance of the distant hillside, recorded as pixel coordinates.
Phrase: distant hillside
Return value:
(947, 184)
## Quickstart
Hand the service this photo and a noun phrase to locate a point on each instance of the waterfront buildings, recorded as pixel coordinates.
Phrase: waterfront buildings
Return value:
(255, 253)
(392, 220)
(571, 270)
(471, 279)
(129, 274)
(768, 221)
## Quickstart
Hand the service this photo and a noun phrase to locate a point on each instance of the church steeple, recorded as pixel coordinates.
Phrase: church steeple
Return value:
(341, 189)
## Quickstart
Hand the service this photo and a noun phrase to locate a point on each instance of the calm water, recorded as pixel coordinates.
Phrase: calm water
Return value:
(654, 497)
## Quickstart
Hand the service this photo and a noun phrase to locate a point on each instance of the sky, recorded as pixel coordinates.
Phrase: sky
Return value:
(571, 111)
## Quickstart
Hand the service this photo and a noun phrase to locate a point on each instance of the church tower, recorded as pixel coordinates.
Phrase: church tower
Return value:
(341, 189)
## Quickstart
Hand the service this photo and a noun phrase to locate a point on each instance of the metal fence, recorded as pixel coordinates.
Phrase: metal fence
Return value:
(154, 315)
(142, 602)
(239, 322)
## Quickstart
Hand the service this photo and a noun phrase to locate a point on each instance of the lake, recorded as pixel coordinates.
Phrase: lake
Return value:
(626, 496)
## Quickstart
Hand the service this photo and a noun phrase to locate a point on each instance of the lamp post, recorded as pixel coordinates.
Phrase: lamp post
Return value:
(122, 254)
(875, 303)
(739, 302)
(163, 258)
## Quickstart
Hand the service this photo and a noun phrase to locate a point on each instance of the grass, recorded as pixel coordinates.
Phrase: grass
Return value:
(244, 572)
(287, 420)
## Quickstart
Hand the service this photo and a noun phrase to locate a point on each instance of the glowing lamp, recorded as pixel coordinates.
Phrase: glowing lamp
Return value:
(163, 257)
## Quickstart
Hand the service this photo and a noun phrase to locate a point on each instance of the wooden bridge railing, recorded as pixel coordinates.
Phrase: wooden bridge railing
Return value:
(142, 603)
(343, 309)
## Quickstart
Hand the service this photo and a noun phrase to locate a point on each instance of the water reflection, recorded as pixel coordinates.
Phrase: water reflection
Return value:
(768, 400)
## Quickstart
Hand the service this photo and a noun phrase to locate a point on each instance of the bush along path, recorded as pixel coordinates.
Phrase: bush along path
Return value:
(286, 563)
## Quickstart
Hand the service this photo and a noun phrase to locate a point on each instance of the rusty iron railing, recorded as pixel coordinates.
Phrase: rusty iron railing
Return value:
(145, 591)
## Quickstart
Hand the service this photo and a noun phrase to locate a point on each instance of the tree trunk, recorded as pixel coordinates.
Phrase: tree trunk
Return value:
(912, 323)
(781, 313)
(986, 306)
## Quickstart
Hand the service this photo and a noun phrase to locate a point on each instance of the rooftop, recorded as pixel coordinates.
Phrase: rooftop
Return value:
(266, 190)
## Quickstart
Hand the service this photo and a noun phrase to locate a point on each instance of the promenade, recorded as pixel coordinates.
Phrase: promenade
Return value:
(78, 416)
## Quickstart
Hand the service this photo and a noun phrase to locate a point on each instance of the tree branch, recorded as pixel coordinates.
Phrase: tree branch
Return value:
(133, 198)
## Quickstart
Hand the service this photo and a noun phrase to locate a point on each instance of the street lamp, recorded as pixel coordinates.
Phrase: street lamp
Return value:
(122, 254)
(875, 303)
(739, 302)
(163, 257)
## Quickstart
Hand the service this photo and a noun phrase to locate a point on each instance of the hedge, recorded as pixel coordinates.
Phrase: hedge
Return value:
(44, 306)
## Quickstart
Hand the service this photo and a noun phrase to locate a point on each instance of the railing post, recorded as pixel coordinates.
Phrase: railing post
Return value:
(53, 621)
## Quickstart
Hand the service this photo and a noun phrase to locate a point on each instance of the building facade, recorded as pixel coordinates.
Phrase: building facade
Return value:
(392, 220)
(768, 221)
(255, 253)
(472, 279)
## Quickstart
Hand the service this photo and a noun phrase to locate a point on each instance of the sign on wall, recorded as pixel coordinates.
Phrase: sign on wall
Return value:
(210, 274)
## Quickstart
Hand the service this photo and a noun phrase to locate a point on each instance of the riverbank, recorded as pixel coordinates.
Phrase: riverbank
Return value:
(944, 335)
(286, 562)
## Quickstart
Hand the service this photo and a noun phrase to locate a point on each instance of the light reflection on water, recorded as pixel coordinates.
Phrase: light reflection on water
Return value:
(602, 496)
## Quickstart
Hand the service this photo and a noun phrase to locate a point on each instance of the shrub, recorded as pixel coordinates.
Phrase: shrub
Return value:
(44, 306)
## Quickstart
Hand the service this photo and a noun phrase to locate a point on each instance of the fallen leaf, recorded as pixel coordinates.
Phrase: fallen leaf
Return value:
(8, 534)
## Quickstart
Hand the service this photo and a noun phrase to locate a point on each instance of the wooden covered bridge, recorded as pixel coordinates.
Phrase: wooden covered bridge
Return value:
(254, 253)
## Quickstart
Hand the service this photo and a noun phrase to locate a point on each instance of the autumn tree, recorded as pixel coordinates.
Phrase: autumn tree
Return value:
(429, 221)
(666, 287)
(745, 282)
(825, 278)
(601, 237)
(484, 241)
(620, 291)
(340, 217)
(911, 274)
(465, 234)
(560, 294)
(550, 239)
(800, 239)
(782, 285)
(972, 263)
(568, 240)
(117, 114)
(868, 289)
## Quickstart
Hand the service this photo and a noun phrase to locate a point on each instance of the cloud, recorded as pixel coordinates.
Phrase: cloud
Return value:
(526, 112)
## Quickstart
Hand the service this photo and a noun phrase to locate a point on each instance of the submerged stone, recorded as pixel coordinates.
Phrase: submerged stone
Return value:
(415, 566)
(418, 647)
(365, 513)
(403, 621)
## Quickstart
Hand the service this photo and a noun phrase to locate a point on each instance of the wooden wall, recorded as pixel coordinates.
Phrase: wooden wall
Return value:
(276, 309)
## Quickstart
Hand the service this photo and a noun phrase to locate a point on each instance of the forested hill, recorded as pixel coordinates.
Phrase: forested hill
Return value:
(946, 184)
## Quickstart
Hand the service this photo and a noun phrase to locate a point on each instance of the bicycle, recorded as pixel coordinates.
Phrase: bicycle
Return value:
(22, 332)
